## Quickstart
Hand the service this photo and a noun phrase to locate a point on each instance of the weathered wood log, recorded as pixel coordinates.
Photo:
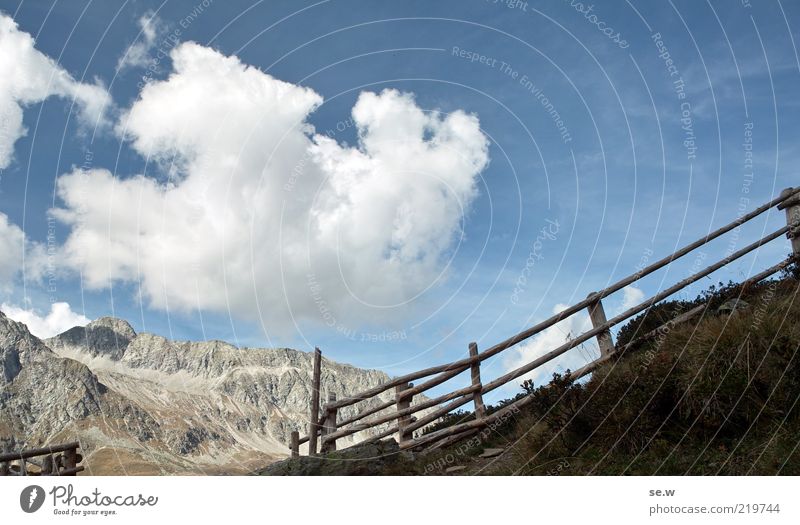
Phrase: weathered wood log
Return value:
(70, 463)
(475, 372)
(295, 444)
(430, 383)
(329, 445)
(367, 412)
(597, 315)
(622, 283)
(682, 318)
(48, 465)
(386, 433)
(315, 383)
(463, 427)
(10, 456)
(514, 374)
(458, 367)
(667, 326)
(355, 428)
(446, 442)
(446, 372)
(410, 410)
(403, 403)
(792, 208)
(590, 367)
(436, 414)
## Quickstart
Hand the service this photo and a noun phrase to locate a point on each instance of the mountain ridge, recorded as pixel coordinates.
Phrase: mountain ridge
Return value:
(142, 403)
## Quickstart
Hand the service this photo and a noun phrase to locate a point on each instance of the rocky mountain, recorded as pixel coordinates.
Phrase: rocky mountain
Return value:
(143, 404)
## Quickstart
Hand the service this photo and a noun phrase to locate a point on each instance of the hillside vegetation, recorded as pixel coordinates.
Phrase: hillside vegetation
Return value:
(715, 395)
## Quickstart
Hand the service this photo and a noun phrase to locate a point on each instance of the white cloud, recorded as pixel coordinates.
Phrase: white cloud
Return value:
(17, 251)
(631, 296)
(60, 319)
(12, 243)
(261, 212)
(558, 334)
(138, 53)
(27, 76)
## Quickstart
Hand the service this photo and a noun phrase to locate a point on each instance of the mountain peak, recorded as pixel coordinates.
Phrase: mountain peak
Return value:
(116, 325)
(107, 336)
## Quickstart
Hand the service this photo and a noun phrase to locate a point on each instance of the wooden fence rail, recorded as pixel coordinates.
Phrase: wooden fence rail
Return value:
(56, 460)
(329, 429)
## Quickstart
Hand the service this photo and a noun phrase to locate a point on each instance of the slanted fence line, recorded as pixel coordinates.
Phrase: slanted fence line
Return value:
(326, 429)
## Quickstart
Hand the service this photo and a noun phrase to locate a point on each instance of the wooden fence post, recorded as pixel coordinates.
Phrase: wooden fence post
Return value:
(598, 316)
(47, 465)
(70, 460)
(403, 421)
(314, 426)
(295, 446)
(477, 396)
(329, 427)
(792, 208)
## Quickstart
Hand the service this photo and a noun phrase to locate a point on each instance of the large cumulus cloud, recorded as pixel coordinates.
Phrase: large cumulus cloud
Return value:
(256, 213)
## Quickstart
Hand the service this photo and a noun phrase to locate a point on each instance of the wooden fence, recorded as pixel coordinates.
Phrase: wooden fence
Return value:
(57, 460)
(326, 429)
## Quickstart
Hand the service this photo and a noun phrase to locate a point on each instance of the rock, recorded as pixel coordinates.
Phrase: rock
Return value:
(733, 305)
(491, 452)
(457, 468)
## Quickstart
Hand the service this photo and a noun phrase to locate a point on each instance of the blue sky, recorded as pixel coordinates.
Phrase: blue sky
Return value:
(583, 139)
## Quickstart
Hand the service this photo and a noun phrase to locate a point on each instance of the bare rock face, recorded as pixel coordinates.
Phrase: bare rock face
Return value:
(17, 347)
(143, 404)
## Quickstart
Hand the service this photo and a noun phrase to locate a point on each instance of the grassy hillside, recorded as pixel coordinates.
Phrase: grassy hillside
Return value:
(716, 395)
